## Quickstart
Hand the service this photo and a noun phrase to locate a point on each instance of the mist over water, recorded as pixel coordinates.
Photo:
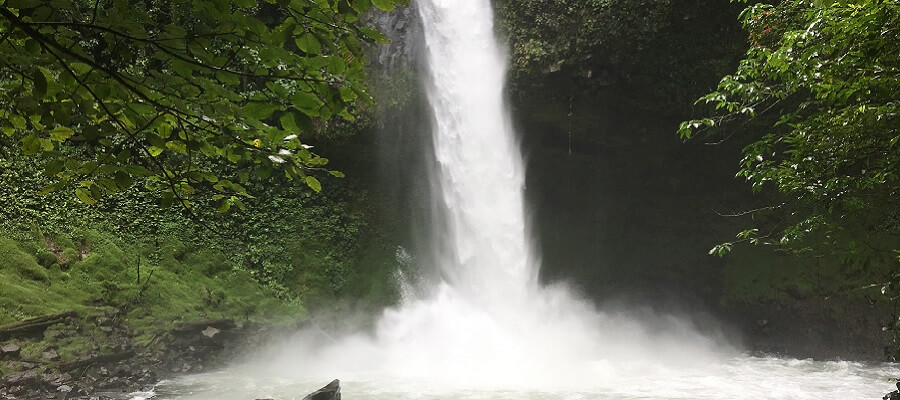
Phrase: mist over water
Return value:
(487, 329)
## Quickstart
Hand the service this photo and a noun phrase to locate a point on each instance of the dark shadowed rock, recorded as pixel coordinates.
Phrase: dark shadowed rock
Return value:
(56, 379)
(331, 391)
(895, 395)
(197, 326)
(22, 378)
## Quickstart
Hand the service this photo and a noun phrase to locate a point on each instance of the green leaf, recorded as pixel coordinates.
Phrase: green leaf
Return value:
(183, 68)
(313, 184)
(336, 174)
(18, 122)
(384, 5)
(50, 188)
(224, 206)
(228, 78)
(85, 196)
(30, 145)
(46, 144)
(155, 151)
(259, 110)
(374, 35)
(123, 180)
(108, 185)
(167, 199)
(288, 123)
(361, 6)
(137, 170)
(54, 166)
(61, 133)
(40, 83)
(32, 46)
(178, 146)
(308, 44)
(348, 94)
(239, 203)
(306, 101)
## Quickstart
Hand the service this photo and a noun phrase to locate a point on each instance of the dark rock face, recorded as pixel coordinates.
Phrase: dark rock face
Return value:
(895, 395)
(403, 27)
(189, 347)
(22, 378)
(331, 391)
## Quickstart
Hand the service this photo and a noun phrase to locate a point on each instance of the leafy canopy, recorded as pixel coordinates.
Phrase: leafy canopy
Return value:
(170, 93)
(820, 82)
(822, 79)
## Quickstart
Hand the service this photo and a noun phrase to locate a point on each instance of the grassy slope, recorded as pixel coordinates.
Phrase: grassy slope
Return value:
(177, 286)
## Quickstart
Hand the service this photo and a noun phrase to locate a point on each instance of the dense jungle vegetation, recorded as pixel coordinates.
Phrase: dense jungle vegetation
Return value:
(169, 159)
(159, 160)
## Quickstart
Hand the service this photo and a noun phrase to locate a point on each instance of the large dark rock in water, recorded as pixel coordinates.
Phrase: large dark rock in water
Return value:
(331, 391)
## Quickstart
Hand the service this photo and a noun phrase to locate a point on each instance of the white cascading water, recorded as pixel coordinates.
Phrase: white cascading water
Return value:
(489, 321)
(488, 330)
(480, 174)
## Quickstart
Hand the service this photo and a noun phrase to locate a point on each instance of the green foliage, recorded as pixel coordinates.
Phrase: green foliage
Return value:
(830, 74)
(107, 276)
(297, 244)
(109, 93)
(820, 85)
(641, 56)
(549, 34)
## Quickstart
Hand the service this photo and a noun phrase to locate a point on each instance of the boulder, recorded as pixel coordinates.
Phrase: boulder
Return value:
(331, 391)
(50, 355)
(56, 379)
(22, 378)
(10, 350)
(210, 332)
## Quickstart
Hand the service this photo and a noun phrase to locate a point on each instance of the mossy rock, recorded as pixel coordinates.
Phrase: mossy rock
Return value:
(68, 256)
(46, 258)
(12, 258)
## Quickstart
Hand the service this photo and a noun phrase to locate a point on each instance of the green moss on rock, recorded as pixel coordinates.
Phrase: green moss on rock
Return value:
(13, 259)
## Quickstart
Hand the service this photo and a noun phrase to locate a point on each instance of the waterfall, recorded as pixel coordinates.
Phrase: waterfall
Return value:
(487, 323)
(482, 237)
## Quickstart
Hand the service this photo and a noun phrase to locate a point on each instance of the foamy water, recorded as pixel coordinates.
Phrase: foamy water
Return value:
(486, 329)
(736, 378)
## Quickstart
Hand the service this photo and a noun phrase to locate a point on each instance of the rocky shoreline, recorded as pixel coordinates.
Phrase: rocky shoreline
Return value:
(124, 364)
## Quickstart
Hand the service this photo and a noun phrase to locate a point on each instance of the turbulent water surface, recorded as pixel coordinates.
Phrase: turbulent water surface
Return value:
(736, 378)
(486, 329)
